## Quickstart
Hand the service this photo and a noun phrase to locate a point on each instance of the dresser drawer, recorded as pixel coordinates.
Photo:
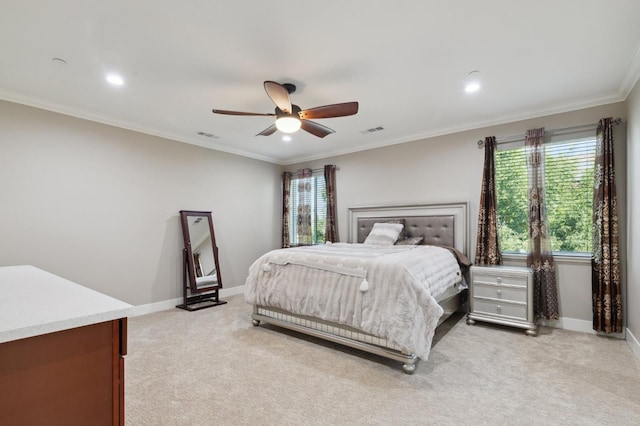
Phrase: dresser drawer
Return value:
(492, 307)
(516, 294)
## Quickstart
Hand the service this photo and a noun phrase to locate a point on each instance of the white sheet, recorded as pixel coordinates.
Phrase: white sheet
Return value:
(325, 282)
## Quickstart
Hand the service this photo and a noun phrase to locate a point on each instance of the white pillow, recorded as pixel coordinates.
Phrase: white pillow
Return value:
(384, 234)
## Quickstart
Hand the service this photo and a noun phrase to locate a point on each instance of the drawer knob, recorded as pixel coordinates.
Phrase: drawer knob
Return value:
(499, 280)
(499, 309)
(499, 293)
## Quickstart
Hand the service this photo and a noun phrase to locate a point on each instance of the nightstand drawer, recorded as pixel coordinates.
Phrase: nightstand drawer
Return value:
(516, 294)
(491, 307)
(498, 278)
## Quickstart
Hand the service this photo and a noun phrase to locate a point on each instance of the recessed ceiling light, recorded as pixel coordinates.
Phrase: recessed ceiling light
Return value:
(286, 138)
(472, 82)
(115, 79)
(472, 87)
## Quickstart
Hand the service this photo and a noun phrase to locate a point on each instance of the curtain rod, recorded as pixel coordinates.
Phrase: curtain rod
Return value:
(516, 138)
(320, 170)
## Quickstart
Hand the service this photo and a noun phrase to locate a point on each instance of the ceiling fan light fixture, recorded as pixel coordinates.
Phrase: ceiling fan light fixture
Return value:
(288, 124)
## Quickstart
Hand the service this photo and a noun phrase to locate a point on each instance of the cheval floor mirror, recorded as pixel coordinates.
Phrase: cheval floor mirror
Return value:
(201, 280)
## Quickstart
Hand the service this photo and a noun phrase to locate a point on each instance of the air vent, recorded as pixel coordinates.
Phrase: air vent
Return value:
(208, 135)
(372, 130)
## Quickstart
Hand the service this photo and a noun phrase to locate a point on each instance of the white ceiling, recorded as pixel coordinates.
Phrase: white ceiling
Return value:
(405, 62)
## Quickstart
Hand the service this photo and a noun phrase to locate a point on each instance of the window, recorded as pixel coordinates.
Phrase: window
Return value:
(569, 165)
(308, 210)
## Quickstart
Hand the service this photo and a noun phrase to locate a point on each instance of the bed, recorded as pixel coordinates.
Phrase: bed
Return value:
(382, 298)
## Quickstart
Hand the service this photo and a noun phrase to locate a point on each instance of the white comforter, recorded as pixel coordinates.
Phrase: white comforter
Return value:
(388, 292)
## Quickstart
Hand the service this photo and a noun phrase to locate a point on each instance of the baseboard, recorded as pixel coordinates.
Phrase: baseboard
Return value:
(571, 324)
(633, 343)
(171, 304)
(564, 323)
(584, 326)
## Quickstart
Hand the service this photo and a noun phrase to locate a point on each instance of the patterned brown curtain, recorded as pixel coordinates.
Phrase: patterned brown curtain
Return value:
(539, 257)
(487, 247)
(331, 231)
(197, 265)
(605, 262)
(286, 195)
(304, 206)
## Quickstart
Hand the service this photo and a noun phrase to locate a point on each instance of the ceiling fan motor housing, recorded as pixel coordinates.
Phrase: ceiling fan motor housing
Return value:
(291, 88)
(295, 109)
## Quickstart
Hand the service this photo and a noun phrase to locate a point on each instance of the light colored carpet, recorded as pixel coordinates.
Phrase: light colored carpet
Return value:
(212, 367)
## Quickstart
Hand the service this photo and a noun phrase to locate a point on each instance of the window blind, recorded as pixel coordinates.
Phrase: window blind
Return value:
(308, 210)
(569, 168)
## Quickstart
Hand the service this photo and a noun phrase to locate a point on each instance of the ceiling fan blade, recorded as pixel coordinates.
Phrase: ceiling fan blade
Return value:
(268, 131)
(316, 129)
(222, 111)
(330, 111)
(279, 95)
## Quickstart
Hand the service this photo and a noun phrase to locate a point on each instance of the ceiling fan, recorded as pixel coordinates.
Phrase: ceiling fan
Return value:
(290, 118)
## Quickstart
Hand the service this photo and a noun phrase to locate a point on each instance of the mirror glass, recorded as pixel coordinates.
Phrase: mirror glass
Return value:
(200, 250)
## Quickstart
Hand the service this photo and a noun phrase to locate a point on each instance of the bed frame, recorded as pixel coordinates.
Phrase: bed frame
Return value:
(443, 224)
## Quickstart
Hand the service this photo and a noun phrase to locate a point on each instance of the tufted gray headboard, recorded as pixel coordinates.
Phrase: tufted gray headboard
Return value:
(435, 229)
(440, 223)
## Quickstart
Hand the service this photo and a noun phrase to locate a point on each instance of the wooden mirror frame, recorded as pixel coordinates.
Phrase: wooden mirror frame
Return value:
(195, 296)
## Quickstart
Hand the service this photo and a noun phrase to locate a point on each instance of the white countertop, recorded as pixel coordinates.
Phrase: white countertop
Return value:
(35, 302)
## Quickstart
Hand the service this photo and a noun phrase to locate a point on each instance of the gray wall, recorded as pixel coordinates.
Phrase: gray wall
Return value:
(633, 222)
(449, 168)
(99, 205)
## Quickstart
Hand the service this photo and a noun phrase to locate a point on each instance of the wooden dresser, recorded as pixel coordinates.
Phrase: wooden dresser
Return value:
(502, 295)
(62, 349)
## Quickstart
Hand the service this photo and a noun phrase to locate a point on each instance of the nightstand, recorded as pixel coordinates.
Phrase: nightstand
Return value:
(502, 295)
